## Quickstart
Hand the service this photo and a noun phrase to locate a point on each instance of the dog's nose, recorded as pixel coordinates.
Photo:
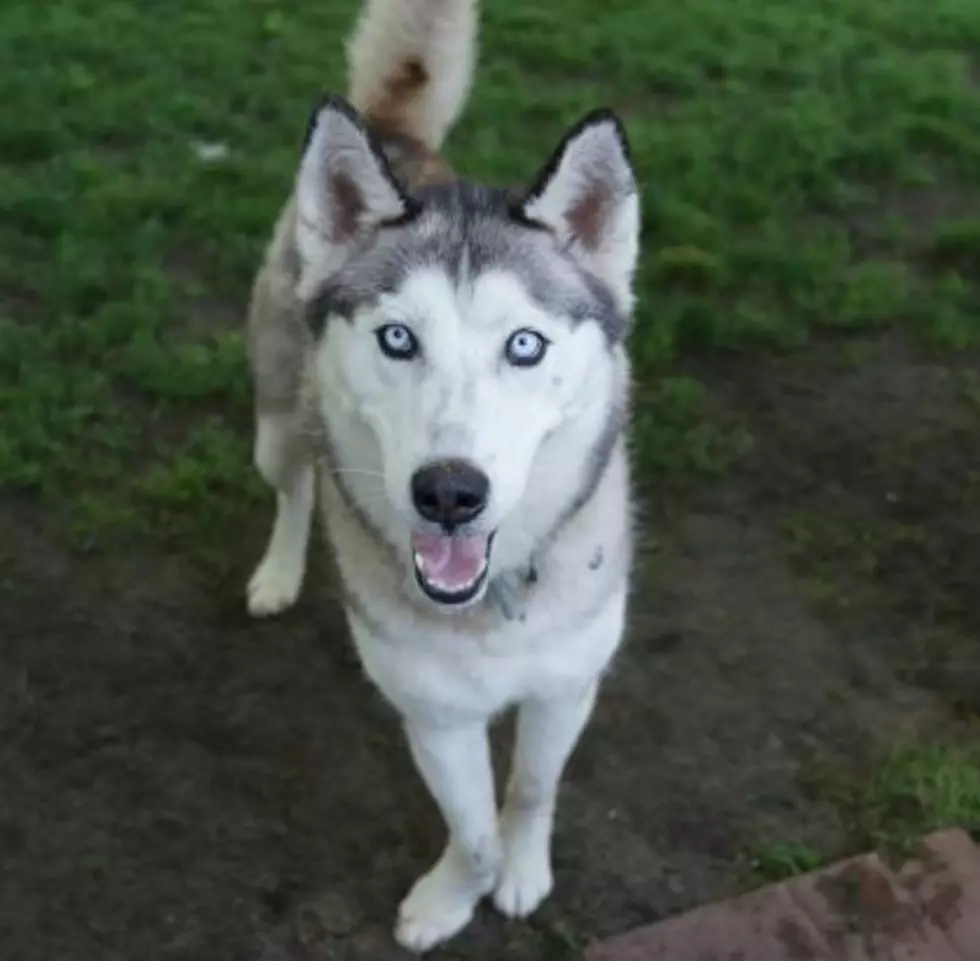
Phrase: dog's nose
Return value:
(450, 492)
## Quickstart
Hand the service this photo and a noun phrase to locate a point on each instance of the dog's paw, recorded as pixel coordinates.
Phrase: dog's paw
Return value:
(525, 882)
(439, 905)
(525, 879)
(274, 586)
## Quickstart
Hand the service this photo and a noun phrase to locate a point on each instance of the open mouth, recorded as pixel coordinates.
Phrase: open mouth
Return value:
(451, 568)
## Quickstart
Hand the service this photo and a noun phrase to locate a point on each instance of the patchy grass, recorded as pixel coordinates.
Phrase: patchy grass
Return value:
(779, 860)
(802, 170)
(919, 787)
(682, 434)
(841, 554)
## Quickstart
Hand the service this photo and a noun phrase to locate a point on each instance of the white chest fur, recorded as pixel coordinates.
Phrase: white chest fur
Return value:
(445, 667)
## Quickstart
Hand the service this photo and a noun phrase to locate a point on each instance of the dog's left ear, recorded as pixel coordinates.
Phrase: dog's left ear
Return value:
(587, 195)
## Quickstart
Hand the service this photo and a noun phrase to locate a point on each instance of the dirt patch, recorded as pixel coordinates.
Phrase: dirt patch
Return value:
(181, 782)
(873, 453)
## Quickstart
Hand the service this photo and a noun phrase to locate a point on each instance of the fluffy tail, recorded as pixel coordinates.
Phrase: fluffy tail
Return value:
(411, 65)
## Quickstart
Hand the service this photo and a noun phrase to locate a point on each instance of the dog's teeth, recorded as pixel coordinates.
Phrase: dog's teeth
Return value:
(437, 584)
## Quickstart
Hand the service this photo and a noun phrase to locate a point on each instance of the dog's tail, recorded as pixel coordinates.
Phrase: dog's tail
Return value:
(411, 66)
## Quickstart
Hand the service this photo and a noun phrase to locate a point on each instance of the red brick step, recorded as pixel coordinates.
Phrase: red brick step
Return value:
(857, 910)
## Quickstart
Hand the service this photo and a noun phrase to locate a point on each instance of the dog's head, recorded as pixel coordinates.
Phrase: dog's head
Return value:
(465, 326)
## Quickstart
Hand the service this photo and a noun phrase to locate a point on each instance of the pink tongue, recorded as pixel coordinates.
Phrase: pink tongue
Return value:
(450, 562)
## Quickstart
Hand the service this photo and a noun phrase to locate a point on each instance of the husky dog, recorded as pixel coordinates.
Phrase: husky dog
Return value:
(442, 365)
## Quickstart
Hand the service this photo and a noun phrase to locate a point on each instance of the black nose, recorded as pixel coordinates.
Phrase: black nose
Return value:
(450, 492)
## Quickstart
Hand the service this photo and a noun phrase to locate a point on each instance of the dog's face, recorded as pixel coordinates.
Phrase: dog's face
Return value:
(466, 324)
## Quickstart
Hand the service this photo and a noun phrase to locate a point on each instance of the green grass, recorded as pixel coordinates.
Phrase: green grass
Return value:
(778, 860)
(804, 168)
(920, 786)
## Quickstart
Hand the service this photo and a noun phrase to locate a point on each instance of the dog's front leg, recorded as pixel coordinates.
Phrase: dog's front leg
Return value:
(455, 764)
(284, 465)
(547, 731)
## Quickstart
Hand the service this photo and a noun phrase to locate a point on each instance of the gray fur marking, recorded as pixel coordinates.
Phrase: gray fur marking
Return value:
(480, 227)
(322, 444)
(600, 456)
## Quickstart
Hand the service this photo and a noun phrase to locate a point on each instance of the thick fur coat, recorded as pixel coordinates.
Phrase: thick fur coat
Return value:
(442, 366)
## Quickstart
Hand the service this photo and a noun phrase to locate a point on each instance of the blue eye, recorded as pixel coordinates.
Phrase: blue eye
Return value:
(397, 341)
(525, 347)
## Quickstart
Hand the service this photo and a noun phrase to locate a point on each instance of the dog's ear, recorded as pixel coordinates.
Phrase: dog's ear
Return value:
(344, 189)
(587, 195)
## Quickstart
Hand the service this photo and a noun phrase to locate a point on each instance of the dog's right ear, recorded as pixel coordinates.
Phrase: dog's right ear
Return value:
(344, 190)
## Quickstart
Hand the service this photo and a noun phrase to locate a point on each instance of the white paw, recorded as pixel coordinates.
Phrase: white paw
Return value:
(439, 905)
(274, 586)
(525, 882)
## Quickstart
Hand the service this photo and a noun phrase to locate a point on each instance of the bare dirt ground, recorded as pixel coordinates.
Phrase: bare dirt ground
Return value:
(182, 783)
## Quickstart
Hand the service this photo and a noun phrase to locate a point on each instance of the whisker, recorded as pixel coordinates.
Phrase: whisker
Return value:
(356, 470)
(315, 435)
